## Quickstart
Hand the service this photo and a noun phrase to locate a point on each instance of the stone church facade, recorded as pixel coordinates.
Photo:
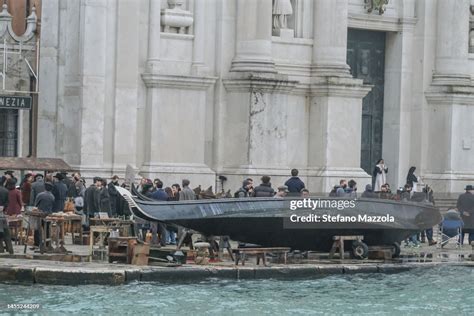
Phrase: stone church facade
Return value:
(202, 88)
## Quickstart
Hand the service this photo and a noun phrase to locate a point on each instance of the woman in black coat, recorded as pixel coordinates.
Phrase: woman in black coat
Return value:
(411, 177)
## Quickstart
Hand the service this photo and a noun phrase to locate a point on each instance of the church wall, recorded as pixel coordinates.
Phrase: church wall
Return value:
(198, 117)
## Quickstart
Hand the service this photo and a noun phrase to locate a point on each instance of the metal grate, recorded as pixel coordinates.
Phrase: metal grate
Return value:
(8, 133)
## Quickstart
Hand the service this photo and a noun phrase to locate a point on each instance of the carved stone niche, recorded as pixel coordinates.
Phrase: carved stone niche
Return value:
(175, 19)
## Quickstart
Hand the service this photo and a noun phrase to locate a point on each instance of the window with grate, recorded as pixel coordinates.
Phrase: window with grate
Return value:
(8, 132)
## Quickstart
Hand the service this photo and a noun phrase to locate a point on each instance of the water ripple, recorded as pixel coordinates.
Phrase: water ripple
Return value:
(443, 291)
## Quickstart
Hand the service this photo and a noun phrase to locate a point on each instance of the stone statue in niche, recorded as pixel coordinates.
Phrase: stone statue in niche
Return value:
(175, 19)
(378, 5)
(281, 10)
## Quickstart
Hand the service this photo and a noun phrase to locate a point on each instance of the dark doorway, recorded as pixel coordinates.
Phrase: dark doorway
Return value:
(366, 57)
(8, 132)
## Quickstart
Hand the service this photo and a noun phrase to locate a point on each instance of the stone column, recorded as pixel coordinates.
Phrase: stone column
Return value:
(199, 44)
(452, 43)
(330, 38)
(154, 36)
(335, 113)
(254, 37)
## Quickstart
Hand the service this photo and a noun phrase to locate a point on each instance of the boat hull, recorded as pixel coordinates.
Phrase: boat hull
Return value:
(269, 222)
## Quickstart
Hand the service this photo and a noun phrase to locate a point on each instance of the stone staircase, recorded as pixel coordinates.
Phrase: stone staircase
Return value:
(446, 201)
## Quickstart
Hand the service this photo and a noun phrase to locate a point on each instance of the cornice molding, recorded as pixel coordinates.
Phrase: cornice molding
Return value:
(260, 83)
(177, 82)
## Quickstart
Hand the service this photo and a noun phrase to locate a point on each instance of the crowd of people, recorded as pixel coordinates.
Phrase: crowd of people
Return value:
(50, 192)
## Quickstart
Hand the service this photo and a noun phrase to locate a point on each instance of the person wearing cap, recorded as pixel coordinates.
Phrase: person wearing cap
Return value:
(244, 191)
(8, 175)
(45, 203)
(282, 192)
(36, 188)
(66, 180)
(465, 205)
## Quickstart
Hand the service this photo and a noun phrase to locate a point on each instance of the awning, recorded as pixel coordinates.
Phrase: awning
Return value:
(36, 164)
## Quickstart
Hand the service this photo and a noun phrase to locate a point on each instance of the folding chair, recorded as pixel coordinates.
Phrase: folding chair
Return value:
(450, 230)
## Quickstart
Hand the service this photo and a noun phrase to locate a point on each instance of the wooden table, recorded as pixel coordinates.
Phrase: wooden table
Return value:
(69, 223)
(73, 225)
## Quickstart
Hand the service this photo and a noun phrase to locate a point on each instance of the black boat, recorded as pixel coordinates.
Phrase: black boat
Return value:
(270, 222)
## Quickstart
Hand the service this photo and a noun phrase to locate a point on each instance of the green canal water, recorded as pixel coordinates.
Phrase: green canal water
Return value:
(437, 291)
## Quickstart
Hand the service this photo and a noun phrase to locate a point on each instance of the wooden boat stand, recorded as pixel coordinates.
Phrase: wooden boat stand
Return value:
(241, 254)
(338, 244)
(224, 243)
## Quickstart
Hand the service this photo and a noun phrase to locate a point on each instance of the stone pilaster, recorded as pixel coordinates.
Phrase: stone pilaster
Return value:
(126, 86)
(199, 66)
(93, 55)
(451, 102)
(48, 85)
(336, 103)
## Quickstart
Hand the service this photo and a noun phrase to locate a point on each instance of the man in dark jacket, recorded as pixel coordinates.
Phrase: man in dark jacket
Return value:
(244, 190)
(113, 195)
(167, 236)
(368, 193)
(59, 192)
(104, 198)
(91, 197)
(66, 180)
(45, 200)
(45, 203)
(465, 205)
(3, 196)
(36, 188)
(265, 189)
(159, 194)
(294, 184)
